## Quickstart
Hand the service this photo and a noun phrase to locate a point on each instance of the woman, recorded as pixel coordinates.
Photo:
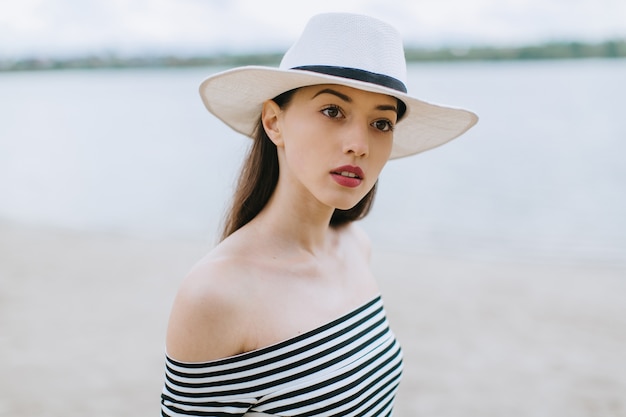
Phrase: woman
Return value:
(283, 316)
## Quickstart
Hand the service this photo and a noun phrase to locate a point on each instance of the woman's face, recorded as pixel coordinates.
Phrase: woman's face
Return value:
(333, 141)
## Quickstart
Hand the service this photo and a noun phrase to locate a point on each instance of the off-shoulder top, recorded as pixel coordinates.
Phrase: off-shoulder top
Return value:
(349, 367)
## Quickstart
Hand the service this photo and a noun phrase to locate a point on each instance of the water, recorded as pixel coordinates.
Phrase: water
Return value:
(134, 152)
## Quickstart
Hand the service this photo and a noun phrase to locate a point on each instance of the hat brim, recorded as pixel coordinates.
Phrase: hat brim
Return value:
(236, 97)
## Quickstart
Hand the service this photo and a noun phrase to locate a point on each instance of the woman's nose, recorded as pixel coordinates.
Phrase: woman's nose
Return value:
(356, 139)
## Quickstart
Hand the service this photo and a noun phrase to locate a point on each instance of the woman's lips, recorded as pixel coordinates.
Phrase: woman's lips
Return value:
(348, 176)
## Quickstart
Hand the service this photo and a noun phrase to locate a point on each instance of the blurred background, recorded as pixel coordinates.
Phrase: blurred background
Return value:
(113, 181)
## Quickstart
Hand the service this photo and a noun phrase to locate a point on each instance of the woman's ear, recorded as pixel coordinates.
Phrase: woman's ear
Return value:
(271, 123)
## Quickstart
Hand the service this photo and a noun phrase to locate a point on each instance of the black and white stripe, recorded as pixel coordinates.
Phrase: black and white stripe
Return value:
(348, 367)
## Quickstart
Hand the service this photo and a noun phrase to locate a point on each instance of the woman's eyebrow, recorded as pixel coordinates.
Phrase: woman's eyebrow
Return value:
(349, 100)
(387, 107)
(334, 92)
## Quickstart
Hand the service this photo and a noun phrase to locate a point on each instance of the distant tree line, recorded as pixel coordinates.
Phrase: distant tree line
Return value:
(556, 50)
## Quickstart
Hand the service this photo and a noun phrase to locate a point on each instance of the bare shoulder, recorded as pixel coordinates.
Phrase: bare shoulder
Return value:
(207, 320)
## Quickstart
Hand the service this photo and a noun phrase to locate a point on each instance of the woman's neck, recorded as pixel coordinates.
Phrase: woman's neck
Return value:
(296, 223)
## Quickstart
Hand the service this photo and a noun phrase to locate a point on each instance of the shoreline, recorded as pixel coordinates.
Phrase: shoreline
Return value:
(608, 49)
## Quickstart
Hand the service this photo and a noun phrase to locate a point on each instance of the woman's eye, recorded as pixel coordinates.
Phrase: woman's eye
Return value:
(383, 125)
(332, 111)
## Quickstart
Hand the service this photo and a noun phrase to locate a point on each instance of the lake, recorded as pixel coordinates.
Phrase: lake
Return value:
(133, 152)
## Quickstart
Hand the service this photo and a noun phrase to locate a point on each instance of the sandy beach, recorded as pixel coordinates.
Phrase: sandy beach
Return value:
(83, 316)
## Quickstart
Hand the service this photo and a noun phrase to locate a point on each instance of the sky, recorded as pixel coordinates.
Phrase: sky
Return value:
(53, 28)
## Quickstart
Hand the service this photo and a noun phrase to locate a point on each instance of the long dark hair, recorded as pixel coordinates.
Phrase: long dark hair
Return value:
(258, 179)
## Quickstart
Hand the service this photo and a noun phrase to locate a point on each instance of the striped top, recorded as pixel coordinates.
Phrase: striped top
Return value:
(348, 367)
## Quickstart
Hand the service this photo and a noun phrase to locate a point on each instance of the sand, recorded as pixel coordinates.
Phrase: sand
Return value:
(83, 316)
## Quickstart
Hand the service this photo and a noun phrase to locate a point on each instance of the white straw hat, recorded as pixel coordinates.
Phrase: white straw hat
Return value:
(337, 48)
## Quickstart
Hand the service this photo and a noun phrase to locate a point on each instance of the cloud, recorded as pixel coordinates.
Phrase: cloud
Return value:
(52, 27)
(511, 21)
